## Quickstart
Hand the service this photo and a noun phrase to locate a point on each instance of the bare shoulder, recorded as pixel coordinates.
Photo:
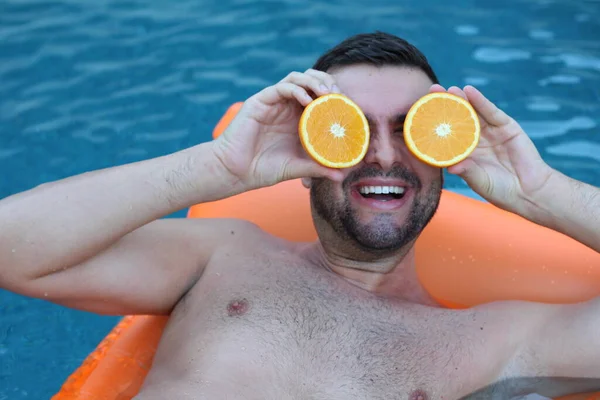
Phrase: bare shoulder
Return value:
(228, 231)
(207, 237)
(210, 232)
(220, 226)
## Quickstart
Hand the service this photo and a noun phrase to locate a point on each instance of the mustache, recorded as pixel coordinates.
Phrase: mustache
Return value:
(371, 171)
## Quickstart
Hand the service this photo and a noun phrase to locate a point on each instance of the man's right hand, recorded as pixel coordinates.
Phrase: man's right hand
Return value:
(261, 146)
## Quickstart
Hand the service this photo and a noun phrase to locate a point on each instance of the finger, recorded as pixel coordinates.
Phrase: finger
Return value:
(436, 88)
(473, 175)
(457, 92)
(284, 91)
(485, 108)
(307, 82)
(325, 78)
(459, 168)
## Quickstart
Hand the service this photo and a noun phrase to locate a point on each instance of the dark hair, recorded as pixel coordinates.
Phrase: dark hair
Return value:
(379, 49)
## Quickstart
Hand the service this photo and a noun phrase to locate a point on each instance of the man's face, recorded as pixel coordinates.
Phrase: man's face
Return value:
(386, 200)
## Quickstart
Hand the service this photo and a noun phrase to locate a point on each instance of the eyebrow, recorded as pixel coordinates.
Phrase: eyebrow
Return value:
(398, 119)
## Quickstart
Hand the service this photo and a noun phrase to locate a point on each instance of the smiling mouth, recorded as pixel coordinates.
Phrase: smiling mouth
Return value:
(382, 193)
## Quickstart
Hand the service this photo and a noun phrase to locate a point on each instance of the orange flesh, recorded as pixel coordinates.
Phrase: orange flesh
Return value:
(334, 131)
(428, 119)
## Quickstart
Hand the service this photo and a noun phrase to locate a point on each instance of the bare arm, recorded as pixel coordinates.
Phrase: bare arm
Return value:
(570, 207)
(88, 241)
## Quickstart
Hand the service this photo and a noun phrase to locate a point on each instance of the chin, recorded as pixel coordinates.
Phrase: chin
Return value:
(382, 233)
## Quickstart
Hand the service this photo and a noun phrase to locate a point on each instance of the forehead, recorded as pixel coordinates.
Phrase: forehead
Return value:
(382, 92)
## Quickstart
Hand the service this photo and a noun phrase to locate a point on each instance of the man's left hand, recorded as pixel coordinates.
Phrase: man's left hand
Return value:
(506, 169)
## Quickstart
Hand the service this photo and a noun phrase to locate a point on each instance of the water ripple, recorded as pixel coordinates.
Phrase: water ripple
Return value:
(542, 104)
(246, 40)
(207, 98)
(547, 129)
(541, 34)
(162, 136)
(578, 148)
(500, 55)
(306, 32)
(561, 79)
(5, 153)
(467, 30)
(584, 61)
(13, 109)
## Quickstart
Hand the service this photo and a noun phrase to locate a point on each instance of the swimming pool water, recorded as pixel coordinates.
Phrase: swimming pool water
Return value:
(88, 85)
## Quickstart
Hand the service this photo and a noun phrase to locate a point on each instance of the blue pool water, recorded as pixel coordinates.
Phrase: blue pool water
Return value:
(93, 84)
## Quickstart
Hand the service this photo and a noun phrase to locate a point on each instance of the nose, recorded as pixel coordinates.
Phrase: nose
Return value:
(383, 150)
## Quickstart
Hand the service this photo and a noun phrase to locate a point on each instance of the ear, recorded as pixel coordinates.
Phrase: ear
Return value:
(306, 182)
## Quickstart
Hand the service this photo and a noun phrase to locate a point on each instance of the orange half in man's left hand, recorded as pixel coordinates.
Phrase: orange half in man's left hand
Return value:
(442, 129)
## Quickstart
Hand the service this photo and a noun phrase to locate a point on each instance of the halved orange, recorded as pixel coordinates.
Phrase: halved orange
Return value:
(441, 129)
(334, 131)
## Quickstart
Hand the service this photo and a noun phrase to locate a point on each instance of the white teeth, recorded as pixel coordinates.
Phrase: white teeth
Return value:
(381, 189)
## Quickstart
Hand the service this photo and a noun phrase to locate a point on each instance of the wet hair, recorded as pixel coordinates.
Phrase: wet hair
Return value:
(379, 49)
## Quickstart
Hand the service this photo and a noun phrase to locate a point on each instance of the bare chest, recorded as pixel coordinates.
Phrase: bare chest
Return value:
(316, 336)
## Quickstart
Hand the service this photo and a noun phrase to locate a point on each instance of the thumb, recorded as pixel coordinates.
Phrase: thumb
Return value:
(473, 175)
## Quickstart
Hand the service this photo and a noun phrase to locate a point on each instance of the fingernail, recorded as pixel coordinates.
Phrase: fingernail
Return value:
(335, 89)
(323, 88)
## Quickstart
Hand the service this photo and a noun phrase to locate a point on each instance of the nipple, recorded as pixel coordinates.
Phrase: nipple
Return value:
(418, 395)
(237, 307)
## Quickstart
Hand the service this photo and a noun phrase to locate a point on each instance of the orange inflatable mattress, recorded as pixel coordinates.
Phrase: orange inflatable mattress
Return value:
(470, 253)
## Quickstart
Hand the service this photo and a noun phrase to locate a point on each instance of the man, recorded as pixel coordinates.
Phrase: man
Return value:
(257, 317)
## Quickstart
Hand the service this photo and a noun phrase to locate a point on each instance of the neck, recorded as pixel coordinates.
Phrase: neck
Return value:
(392, 276)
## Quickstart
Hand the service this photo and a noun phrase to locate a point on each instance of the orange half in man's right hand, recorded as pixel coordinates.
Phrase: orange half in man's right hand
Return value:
(334, 131)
